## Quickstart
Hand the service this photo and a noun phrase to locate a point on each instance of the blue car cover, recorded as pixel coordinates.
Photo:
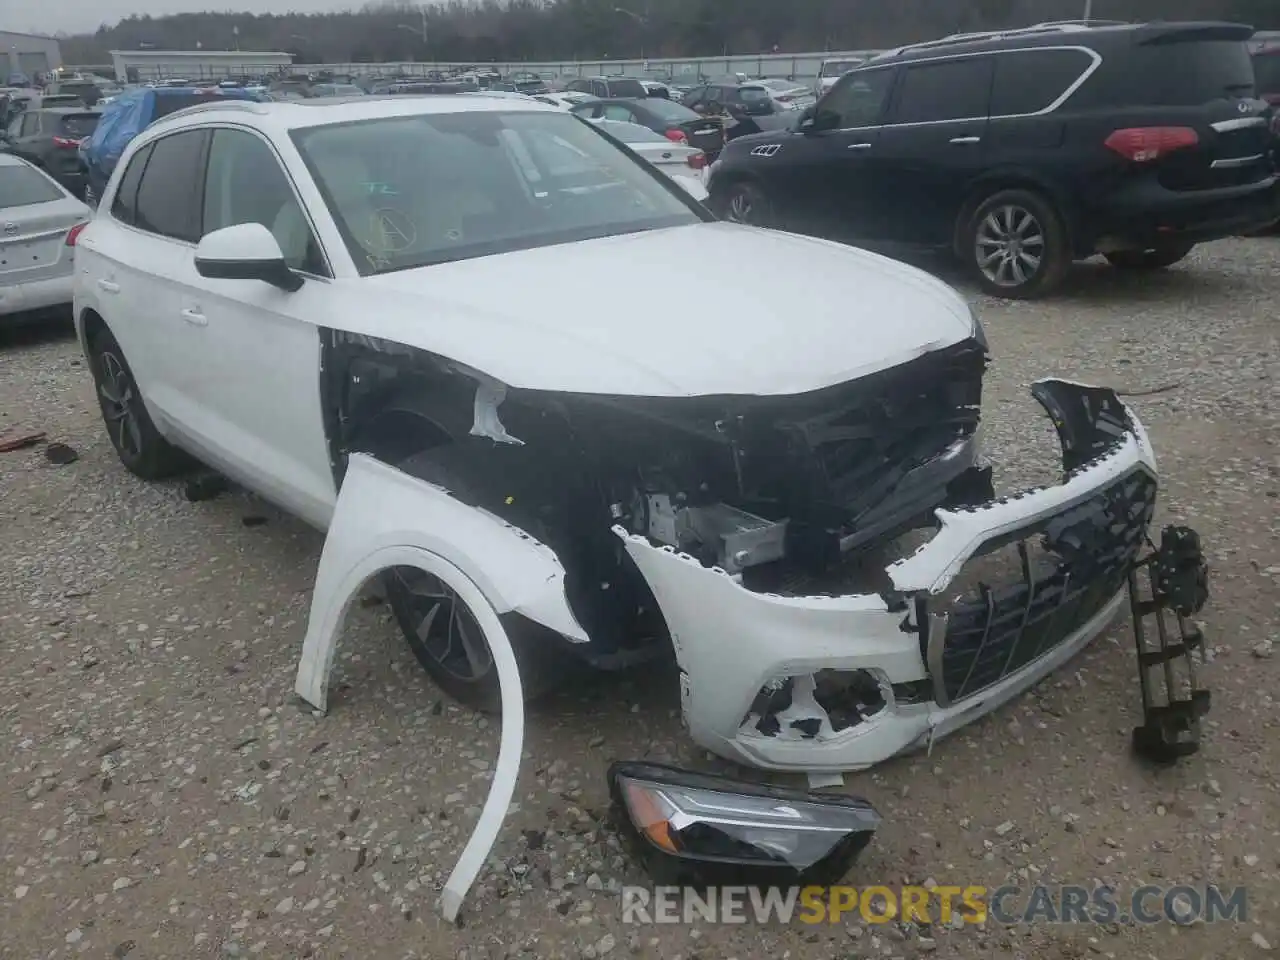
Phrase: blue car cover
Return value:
(129, 114)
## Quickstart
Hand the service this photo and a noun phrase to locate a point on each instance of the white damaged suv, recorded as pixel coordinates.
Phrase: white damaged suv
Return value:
(533, 398)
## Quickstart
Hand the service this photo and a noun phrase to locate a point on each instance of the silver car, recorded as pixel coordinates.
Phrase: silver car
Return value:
(37, 217)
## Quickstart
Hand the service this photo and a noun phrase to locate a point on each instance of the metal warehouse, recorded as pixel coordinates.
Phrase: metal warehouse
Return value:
(141, 65)
(29, 54)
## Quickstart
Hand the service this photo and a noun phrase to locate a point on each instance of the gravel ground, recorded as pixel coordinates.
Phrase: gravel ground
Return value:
(166, 796)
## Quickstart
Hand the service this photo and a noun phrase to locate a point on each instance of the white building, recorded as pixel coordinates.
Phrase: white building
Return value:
(29, 54)
(144, 65)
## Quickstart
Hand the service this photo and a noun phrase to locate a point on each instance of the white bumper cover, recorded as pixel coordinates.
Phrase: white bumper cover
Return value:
(35, 294)
(730, 642)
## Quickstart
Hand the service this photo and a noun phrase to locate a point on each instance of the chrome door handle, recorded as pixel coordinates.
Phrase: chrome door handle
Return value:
(109, 286)
(966, 139)
(859, 146)
(195, 317)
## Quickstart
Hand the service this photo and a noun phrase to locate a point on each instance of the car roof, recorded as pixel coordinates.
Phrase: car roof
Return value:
(69, 110)
(282, 116)
(9, 160)
(1052, 34)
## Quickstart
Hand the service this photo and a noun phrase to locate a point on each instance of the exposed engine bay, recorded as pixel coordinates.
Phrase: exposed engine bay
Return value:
(831, 570)
(778, 490)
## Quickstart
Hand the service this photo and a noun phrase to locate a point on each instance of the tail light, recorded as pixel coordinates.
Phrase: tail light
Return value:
(1144, 144)
(74, 233)
(677, 136)
(67, 143)
(698, 160)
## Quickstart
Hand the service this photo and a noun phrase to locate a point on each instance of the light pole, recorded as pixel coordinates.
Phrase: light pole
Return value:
(1088, 10)
(420, 32)
(643, 21)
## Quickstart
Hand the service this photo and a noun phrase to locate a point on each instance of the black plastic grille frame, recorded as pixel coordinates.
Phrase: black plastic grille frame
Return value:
(992, 632)
(847, 448)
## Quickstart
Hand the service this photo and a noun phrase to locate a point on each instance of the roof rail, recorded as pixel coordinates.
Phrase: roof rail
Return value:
(218, 103)
(1049, 26)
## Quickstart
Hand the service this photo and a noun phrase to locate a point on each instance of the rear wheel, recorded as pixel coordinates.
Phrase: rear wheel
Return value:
(1156, 258)
(141, 448)
(744, 202)
(1015, 245)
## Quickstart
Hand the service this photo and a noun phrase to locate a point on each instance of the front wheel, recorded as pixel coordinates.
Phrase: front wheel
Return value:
(744, 202)
(444, 633)
(1156, 258)
(1015, 245)
(450, 645)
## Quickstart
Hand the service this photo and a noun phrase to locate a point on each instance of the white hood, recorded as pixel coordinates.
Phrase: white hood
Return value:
(712, 308)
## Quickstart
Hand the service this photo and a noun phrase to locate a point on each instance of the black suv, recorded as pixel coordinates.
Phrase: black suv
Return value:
(1024, 150)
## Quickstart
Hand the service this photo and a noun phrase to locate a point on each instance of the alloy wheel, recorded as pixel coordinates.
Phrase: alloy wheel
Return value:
(740, 207)
(118, 398)
(444, 624)
(1010, 246)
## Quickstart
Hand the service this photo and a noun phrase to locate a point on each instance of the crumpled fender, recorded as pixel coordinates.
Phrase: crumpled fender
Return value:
(383, 509)
(386, 518)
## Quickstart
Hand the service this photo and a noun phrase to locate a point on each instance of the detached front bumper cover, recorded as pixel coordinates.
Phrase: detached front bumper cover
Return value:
(755, 667)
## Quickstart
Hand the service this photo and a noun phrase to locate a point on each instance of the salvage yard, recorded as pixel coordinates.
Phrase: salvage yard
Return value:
(166, 795)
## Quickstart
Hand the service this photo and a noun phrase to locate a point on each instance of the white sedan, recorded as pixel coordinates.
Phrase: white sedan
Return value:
(686, 164)
(426, 326)
(37, 218)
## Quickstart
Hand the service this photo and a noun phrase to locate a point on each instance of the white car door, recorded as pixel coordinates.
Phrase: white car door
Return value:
(129, 262)
(251, 350)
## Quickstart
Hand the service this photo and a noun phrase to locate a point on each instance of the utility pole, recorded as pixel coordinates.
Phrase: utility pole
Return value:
(1088, 10)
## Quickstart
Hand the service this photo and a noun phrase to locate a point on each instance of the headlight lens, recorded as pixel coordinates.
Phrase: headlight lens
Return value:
(706, 821)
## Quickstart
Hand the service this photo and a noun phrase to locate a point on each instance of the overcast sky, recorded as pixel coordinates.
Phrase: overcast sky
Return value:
(85, 16)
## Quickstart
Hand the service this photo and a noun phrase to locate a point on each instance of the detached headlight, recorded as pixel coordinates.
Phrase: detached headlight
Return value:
(698, 825)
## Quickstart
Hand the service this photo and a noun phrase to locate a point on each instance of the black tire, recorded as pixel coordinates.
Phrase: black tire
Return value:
(1155, 259)
(744, 202)
(141, 448)
(543, 665)
(1015, 245)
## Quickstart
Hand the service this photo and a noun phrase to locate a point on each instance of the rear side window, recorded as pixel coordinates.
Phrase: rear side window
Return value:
(124, 206)
(616, 111)
(669, 110)
(168, 201)
(78, 125)
(627, 88)
(1028, 81)
(946, 90)
(1189, 74)
(173, 102)
(20, 186)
